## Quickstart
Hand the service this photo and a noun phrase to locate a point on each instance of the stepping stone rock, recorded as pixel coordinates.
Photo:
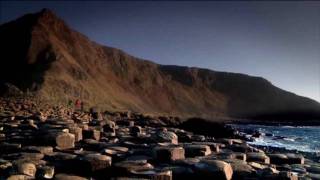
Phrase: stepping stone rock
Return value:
(168, 153)
(19, 177)
(68, 177)
(40, 149)
(65, 140)
(314, 169)
(127, 167)
(135, 130)
(241, 169)
(166, 136)
(98, 161)
(91, 134)
(45, 172)
(258, 157)
(26, 168)
(9, 148)
(278, 159)
(192, 150)
(77, 131)
(154, 174)
(288, 175)
(295, 158)
(214, 169)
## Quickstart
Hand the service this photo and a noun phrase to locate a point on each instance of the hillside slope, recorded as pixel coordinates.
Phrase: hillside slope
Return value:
(41, 54)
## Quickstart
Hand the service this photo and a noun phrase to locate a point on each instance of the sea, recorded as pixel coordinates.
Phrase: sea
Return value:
(301, 138)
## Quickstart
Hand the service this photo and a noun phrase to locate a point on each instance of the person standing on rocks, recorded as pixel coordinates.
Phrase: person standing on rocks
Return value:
(78, 105)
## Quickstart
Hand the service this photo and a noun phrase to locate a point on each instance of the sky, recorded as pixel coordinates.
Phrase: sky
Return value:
(279, 41)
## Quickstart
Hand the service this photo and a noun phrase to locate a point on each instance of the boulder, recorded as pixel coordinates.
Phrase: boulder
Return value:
(168, 153)
(213, 169)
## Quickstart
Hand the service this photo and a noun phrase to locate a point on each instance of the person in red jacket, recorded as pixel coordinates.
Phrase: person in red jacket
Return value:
(77, 105)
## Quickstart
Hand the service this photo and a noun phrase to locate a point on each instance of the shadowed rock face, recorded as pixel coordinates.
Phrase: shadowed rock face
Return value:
(43, 55)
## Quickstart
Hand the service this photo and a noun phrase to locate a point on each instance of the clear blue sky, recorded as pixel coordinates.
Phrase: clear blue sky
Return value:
(276, 40)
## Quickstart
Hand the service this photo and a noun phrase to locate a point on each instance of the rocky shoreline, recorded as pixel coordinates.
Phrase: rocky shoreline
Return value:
(58, 143)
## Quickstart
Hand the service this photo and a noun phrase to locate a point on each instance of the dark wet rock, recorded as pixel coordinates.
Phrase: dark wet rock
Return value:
(40, 149)
(154, 174)
(241, 170)
(187, 161)
(140, 158)
(314, 169)
(244, 148)
(58, 156)
(314, 176)
(5, 167)
(68, 177)
(168, 153)
(19, 177)
(166, 136)
(257, 166)
(258, 157)
(127, 123)
(268, 173)
(136, 130)
(181, 172)
(278, 158)
(108, 126)
(45, 172)
(225, 141)
(295, 158)
(29, 156)
(192, 150)
(97, 161)
(287, 175)
(25, 168)
(214, 169)
(199, 138)
(214, 147)
(128, 167)
(240, 156)
(207, 128)
(286, 159)
(9, 148)
(91, 134)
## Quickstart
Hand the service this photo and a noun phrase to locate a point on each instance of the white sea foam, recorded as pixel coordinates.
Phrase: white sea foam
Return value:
(305, 139)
